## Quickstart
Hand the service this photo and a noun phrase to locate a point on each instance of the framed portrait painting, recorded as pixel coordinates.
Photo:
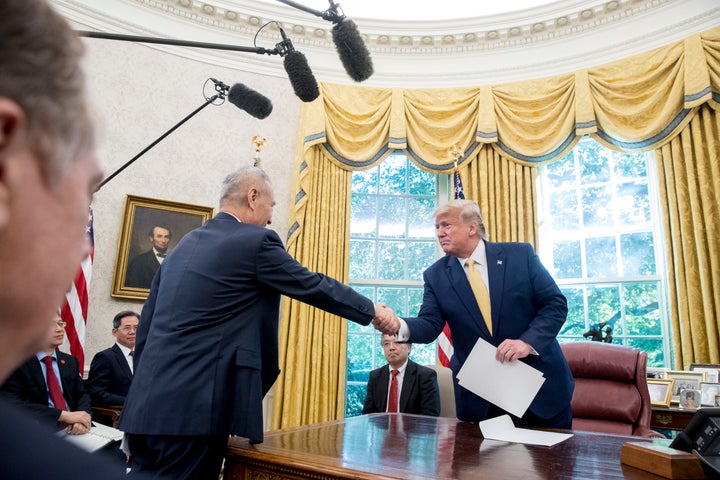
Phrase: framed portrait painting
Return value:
(149, 231)
(661, 391)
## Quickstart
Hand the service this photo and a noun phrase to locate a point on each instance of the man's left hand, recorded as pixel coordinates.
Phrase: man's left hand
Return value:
(511, 350)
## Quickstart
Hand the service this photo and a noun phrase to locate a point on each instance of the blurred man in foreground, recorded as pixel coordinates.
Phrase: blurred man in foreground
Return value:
(48, 172)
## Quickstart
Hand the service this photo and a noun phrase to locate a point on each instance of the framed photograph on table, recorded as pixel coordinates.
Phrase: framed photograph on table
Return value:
(684, 380)
(709, 392)
(661, 391)
(150, 229)
(656, 372)
(712, 371)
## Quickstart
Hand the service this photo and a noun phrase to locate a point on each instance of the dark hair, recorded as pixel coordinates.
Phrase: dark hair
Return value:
(123, 314)
(152, 230)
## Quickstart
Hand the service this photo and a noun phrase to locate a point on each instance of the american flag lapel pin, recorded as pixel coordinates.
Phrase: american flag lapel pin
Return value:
(62, 361)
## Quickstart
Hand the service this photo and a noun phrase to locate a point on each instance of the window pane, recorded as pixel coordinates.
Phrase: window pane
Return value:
(355, 397)
(563, 205)
(604, 306)
(597, 205)
(562, 172)
(392, 217)
(393, 175)
(419, 257)
(362, 259)
(594, 164)
(567, 260)
(654, 348)
(633, 203)
(419, 215)
(359, 358)
(391, 261)
(601, 257)
(638, 254)
(642, 309)
(575, 323)
(365, 181)
(422, 183)
(363, 216)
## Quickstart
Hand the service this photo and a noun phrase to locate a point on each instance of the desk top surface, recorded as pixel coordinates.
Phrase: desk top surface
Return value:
(414, 446)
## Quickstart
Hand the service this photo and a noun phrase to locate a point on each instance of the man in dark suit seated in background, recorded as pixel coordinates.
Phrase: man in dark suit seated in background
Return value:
(111, 369)
(142, 267)
(415, 388)
(33, 384)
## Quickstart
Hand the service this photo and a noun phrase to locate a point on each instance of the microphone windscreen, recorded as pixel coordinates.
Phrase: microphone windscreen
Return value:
(353, 53)
(301, 77)
(254, 103)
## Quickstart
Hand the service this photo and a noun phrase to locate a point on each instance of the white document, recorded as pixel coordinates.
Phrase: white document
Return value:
(99, 436)
(502, 428)
(511, 386)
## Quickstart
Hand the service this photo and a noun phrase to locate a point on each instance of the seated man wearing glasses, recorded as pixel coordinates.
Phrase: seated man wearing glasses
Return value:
(111, 370)
(49, 385)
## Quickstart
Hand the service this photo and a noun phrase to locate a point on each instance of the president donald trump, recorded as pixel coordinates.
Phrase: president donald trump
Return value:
(499, 292)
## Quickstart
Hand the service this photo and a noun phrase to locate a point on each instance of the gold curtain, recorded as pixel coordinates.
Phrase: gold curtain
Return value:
(689, 171)
(504, 132)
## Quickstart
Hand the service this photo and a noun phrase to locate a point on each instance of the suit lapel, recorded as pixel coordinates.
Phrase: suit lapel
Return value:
(120, 360)
(36, 373)
(407, 386)
(496, 260)
(382, 390)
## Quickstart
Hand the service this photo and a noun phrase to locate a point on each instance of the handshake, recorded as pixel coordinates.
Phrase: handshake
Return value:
(385, 320)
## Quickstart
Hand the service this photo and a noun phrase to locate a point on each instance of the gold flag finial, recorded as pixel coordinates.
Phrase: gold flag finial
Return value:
(456, 154)
(259, 143)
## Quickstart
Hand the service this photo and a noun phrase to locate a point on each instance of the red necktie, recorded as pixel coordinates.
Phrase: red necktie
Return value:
(53, 385)
(393, 400)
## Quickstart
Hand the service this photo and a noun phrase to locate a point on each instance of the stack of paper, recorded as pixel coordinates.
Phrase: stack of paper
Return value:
(511, 386)
(99, 436)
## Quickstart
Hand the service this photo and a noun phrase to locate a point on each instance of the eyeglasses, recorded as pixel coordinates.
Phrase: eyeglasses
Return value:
(61, 323)
(128, 328)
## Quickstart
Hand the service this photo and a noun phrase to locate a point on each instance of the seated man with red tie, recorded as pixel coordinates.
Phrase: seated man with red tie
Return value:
(50, 386)
(402, 385)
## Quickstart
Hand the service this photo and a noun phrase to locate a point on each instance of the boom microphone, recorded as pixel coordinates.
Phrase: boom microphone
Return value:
(298, 71)
(254, 103)
(353, 53)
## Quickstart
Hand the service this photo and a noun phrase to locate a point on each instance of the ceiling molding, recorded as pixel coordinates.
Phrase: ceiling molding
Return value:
(554, 38)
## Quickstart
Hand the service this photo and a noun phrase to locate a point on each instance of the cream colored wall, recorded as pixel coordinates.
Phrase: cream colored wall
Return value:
(139, 93)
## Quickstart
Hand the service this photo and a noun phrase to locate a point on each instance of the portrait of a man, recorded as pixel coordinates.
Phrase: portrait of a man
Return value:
(151, 228)
(142, 267)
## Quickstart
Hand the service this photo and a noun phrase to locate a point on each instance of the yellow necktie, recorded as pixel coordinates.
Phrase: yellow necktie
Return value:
(481, 292)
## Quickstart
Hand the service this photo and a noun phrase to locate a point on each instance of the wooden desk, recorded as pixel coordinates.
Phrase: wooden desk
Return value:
(403, 446)
(670, 418)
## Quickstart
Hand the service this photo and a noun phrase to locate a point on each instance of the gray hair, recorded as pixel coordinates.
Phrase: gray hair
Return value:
(236, 185)
(469, 212)
(40, 64)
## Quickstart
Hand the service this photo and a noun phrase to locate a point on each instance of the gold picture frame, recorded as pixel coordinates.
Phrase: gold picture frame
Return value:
(140, 217)
(684, 379)
(661, 390)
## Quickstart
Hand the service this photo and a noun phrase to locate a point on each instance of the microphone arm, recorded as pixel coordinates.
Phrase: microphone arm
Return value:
(331, 14)
(221, 92)
(175, 42)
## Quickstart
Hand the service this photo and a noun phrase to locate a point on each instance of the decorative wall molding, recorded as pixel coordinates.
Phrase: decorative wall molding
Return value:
(554, 38)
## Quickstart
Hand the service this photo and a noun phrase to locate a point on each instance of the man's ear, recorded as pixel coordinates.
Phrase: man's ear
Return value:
(12, 122)
(252, 197)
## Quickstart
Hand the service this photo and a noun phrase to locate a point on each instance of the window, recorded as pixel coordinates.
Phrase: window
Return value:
(392, 240)
(598, 238)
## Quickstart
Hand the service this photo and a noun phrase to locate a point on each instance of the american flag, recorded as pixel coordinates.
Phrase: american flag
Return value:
(445, 344)
(75, 308)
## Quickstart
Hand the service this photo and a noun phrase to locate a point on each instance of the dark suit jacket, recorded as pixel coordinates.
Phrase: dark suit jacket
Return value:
(420, 393)
(29, 450)
(207, 345)
(526, 304)
(141, 270)
(109, 378)
(26, 387)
